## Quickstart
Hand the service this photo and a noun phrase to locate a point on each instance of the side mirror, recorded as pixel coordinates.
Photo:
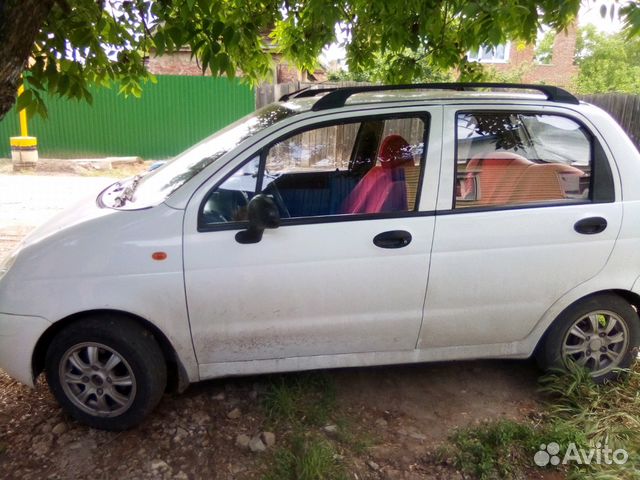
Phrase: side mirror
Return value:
(262, 213)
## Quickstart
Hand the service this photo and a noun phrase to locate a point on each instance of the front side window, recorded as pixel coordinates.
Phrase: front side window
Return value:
(518, 158)
(367, 167)
(155, 186)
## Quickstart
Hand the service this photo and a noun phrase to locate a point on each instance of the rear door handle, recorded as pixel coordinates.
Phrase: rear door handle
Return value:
(591, 225)
(392, 239)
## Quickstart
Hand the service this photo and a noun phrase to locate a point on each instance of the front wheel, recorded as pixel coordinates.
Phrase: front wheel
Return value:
(600, 334)
(107, 372)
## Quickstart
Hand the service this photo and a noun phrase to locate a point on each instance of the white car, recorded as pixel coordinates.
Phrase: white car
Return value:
(339, 228)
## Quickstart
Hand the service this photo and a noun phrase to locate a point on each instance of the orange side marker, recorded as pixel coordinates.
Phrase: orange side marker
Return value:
(159, 255)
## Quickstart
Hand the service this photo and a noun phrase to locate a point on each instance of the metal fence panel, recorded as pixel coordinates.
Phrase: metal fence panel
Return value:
(170, 116)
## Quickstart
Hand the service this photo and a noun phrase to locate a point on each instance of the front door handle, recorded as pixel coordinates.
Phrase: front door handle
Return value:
(392, 239)
(591, 225)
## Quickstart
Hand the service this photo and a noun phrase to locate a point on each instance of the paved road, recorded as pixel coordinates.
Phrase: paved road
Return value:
(27, 201)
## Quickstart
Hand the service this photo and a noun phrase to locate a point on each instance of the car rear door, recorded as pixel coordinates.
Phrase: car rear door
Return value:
(526, 212)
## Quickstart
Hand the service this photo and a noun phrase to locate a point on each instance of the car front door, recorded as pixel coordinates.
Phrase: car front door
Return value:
(533, 216)
(345, 272)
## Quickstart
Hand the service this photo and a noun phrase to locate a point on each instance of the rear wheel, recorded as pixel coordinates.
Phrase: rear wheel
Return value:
(600, 334)
(107, 371)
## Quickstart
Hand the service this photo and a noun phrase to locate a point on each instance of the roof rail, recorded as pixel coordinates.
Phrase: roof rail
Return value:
(305, 92)
(338, 97)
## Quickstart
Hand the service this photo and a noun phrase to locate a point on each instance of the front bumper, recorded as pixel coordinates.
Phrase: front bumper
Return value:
(18, 337)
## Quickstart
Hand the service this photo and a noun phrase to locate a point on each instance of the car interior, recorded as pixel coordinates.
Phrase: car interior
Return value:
(490, 172)
(382, 175)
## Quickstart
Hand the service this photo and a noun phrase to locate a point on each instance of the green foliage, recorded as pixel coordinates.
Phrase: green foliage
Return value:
(405, 67)
(606, 413)
(492, 450)
(505, 448)
(104, 42)
(544, 48)
(513, 75)
(607, 63)
(578, 411)
(308, 457)
(300, 400)
(86, 42)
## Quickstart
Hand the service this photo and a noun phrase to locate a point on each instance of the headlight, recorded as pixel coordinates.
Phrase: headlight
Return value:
(6, 264)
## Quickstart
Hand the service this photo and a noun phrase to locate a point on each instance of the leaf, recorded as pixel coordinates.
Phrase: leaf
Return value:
(25, 99)
(34, 81)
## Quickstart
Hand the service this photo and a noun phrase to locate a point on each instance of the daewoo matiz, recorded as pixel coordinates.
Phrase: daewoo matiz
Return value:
(339, 227)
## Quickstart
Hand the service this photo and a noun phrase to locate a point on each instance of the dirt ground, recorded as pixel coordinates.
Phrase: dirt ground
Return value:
(405, 410)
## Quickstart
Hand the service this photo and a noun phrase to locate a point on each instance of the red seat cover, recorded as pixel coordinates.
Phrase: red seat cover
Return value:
(383, 188)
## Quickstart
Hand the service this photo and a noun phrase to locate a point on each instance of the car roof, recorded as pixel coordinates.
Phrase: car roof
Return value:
(323, 98)
(304, 104)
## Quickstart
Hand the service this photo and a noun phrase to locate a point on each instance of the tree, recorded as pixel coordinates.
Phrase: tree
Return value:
(544, 48)
(389, 68)
(607, 63)
(63, 46)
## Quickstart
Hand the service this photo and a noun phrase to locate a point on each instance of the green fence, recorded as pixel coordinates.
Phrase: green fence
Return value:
(171, 115)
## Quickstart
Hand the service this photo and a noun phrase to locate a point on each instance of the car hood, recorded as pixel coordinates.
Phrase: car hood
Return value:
(82, 211)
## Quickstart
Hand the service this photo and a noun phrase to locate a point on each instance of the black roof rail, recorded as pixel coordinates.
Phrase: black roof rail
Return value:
(338, 97)
(305, 92)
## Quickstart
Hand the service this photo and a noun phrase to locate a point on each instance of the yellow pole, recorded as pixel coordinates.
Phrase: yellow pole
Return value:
(24, 126)
(24, 149)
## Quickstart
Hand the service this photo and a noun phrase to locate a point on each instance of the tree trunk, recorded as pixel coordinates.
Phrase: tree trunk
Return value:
(20, 21)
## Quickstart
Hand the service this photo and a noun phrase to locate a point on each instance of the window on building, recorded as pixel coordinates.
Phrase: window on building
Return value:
(491, 54)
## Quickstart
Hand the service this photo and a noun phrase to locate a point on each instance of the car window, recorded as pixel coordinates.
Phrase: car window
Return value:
(518, 158)
(353, 168)
(228, 202)
(157, 185)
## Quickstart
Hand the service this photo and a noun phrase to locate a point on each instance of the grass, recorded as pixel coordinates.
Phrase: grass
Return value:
(492, 450)
(608, 414)
(578, 411)
(503, 448)
(299, 405)
(307, 457)
(357, 440)
(306, 399)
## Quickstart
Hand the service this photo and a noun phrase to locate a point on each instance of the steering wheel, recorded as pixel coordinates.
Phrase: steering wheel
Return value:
(225, 206)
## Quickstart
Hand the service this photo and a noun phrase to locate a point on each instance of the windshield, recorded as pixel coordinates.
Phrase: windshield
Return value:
(157, 185)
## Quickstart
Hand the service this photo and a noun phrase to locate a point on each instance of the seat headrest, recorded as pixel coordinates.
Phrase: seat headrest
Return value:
(502, 159)
(395, 152)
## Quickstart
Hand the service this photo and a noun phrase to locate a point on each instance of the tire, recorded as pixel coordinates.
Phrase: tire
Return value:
(600, 333)
(106, 371)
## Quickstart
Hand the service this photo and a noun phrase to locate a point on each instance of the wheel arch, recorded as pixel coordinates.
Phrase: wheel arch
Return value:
(177, 378)
(631, 297)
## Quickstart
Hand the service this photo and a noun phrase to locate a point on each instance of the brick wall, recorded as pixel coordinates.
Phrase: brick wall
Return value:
(560, 71)
(181, 63)
(177, 63)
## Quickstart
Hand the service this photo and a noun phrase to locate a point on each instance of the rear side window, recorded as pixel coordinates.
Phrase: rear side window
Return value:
(513, 158)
